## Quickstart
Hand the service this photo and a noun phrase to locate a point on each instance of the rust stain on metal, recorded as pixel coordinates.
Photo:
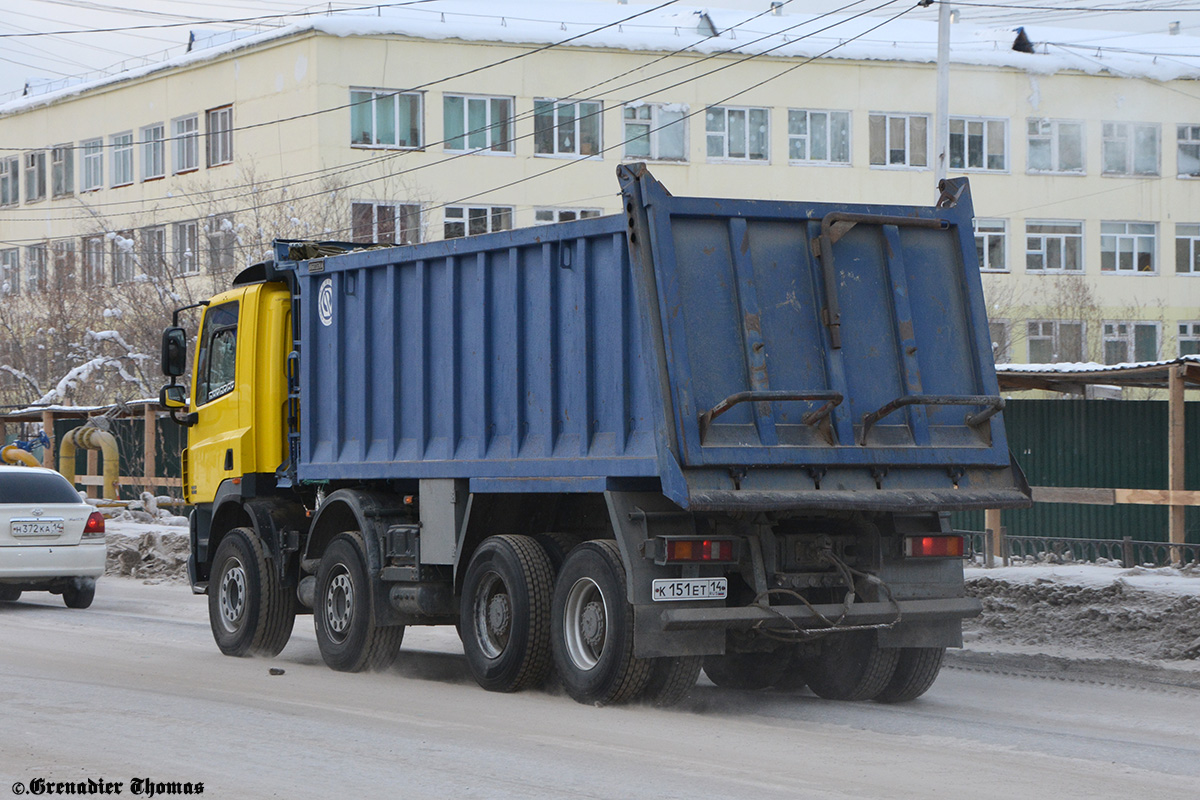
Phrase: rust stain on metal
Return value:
(906, 330)
(753, 324)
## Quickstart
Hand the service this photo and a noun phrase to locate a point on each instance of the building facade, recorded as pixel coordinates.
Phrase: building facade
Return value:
(1085, 182)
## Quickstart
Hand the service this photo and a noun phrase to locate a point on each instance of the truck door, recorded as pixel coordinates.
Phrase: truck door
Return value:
(214, 442)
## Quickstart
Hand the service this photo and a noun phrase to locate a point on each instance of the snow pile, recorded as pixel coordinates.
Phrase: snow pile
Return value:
(148, 509)
(1137, 614)
(155, 554)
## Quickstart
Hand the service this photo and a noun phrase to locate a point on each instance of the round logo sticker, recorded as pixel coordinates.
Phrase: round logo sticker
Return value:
(325, 302)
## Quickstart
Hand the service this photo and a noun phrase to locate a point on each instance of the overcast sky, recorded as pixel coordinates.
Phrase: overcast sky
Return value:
(53, 53)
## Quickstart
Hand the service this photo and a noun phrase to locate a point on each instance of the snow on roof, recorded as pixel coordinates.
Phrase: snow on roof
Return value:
(1092, 366)
(600, 25)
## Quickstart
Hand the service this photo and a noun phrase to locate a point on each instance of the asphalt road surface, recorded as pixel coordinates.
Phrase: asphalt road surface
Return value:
(135, 689)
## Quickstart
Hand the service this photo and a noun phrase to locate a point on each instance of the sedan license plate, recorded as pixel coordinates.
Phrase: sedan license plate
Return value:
(36, 527)
(666, 590)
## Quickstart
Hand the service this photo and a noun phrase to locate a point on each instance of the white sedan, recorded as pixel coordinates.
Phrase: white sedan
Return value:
(50, 540)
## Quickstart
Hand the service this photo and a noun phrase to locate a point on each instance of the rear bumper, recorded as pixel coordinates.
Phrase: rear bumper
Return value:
(950, 608)
(31, 564)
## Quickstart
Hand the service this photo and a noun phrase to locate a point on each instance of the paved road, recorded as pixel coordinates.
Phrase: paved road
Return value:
(135, 688)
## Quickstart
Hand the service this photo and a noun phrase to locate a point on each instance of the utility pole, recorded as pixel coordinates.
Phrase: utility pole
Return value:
(942, 115)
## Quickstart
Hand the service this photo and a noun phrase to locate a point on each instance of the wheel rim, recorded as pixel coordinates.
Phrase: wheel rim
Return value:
(233, 595)
(339, 605)
(585, 624)
(493, 615)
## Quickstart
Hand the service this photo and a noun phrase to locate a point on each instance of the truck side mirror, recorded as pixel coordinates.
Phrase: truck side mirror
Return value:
(174, 351)
(173, 396)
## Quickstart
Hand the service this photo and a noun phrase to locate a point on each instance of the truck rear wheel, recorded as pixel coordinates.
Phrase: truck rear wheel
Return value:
(347, 635)
(748, 670)
(849, 666)
(505, 618)
(916, 670)
(248, 610)
(671, 678)
(592, 628)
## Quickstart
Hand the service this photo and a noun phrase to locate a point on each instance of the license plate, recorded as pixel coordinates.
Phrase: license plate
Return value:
(666, 590)
(36, 527)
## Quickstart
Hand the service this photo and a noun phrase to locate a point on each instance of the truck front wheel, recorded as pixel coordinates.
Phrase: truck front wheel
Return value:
(347, 635)
(592, 628)
(248, 610)
(505, 617)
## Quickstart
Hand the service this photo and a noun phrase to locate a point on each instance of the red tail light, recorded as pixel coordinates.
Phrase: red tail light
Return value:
(933, 546)
(695, 551)
(94, 526)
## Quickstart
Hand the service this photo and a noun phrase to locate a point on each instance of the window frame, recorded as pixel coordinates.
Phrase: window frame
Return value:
(654, 125)
(1187, 330)
(806, 137)
(185, 233)
(121, 162)
(62, 170)
(888, 117)
(93, 261)
(1055, 140)
(1055, 339)
(1001, 351)
(63, 258)
(154, 153)
(505, 146)
(1079, 237)
(578, 118)
(1110, 332)
(557, 213)
(461, 215)
(399, 213)
(376, 94)
(1187, 135)
(37, 257)
(10, 271)
(10, 181)
(1136, 238)
(723, 135)
(218, 137)
(1130, 141)
(220, 242)
(124, 261)
(91, 174)
(987, 236)
(152, 249)
(1191, 235)
(35, 173)
(185, 150)
(987, 123)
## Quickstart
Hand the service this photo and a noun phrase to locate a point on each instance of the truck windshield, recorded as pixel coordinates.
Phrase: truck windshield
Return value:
(218, 348)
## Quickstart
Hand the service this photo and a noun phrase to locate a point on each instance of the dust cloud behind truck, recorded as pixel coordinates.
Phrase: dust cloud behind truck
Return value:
(704, 433)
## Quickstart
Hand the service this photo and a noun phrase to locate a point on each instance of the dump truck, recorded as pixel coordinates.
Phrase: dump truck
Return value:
(705, 433)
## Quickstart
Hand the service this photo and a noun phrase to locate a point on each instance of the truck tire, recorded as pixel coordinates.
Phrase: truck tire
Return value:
(748, 670)
(79, 593)
(347, 635)
(671, 679)
(592, 628)
(557, 546)
(9, 594)
(504, 621)
(916, 670)
(249, 611)
(849, 666)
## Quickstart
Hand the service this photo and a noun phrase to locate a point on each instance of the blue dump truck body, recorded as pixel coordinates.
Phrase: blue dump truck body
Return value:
(703, 433)
(750, 354)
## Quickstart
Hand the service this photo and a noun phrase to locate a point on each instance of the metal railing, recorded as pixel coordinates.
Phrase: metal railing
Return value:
(1063, 549)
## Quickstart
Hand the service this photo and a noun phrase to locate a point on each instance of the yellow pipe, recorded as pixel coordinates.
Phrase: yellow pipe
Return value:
(91, 439)
(12, 454)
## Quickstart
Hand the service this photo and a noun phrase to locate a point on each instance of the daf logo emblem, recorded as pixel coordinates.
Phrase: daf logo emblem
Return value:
(37, 512)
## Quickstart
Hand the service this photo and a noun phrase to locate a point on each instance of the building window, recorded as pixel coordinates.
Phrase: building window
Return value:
(472, 220)
(1189, 151)
(35, 176)
(737, 134)
(63, 253)
(991, 244)
(124, 266)
(1053, 246)
(566, 128)
(384, 222)
(819, 137)
(122, 158)
(35, 268)
(899, 140)
(1130, 148)
(93, 261)
(998, 330)
(154, 162)
(62, 170)
(1055, 145)
(93, 165)
(1127, 246)
(185, 132)
(478, 124)
(385, 118)
(979, 144)
(153, 255)
(1053, 342)
(222, 243)
(1187, 249)
(10, 181)
(218, 136)
(187, 248)
(1130, 341)
(656, 131)
(545, 216)
(1189, 338)
(10, 271)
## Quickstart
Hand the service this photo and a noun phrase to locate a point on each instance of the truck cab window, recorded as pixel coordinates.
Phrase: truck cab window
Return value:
(218, 350)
